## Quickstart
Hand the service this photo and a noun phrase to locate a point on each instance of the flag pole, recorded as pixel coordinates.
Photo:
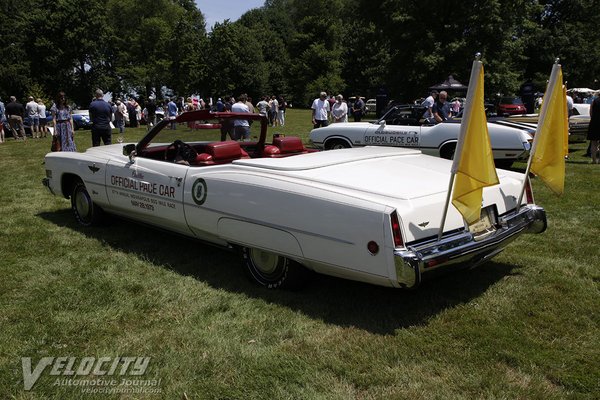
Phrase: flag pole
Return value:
(446, 207)
(533, 147)
(453, 173)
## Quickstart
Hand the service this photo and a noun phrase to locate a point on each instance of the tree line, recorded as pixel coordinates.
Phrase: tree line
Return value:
(292, 47)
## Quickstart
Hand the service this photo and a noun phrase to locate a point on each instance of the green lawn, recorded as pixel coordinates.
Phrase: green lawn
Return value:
(522, 326)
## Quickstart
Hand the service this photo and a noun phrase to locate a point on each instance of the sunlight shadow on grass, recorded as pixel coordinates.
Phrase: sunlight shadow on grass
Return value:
(336, 301)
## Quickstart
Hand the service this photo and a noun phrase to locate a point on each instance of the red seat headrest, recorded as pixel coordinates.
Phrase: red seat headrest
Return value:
(224, 150)
(291, 144)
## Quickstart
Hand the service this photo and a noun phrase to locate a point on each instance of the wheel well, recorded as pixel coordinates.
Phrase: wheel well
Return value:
(447, 150)
(67, 184)
(334, 139)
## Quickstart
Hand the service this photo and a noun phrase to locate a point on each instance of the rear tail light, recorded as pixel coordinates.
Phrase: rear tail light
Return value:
(398, 241)
(528, 191)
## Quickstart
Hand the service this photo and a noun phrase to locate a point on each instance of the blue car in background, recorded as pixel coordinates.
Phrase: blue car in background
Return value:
(81, 120)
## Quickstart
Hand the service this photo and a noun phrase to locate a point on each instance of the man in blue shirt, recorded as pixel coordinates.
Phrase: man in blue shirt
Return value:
(100, 115)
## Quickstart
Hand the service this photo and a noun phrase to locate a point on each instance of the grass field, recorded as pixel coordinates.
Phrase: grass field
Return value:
(523, 326)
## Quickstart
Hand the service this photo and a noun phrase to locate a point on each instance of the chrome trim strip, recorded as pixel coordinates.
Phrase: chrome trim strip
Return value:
(461, 247)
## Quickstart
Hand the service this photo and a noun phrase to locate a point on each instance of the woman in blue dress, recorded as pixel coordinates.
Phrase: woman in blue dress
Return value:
(63, 123)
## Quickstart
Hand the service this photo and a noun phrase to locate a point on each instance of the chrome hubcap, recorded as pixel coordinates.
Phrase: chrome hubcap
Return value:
(264, 261)
(82, 204)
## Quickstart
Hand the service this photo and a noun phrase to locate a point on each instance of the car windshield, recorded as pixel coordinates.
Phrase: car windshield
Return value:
(511, 100)
(403, 115)
(201, 127)
(197, 131)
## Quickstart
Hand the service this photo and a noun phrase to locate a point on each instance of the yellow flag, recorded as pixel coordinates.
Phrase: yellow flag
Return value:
(473, 161)
(551, 141)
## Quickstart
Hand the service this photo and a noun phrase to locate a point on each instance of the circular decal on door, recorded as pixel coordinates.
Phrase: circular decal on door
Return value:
(199, 191)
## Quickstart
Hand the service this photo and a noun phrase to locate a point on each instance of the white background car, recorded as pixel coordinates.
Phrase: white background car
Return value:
(370, 106)
(579, 121)
(368, 214)
(400, 127)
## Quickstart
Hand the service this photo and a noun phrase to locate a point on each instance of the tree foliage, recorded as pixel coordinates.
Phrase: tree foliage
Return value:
(292, 47)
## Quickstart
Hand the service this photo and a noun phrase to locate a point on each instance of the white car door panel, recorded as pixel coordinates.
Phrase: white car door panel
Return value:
(148, 190)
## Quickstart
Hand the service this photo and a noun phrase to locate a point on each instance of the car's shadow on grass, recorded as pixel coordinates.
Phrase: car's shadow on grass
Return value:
(337, 301)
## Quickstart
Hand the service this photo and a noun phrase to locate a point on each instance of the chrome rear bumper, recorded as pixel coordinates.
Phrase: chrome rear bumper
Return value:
(461, 248)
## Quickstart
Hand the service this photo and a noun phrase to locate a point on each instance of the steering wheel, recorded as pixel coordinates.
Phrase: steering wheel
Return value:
(183, 152)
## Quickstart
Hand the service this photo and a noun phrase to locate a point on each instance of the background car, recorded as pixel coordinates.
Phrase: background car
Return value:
(370, 106)
(401, 126)
(579, 122)
(81, 119)
(511, 106)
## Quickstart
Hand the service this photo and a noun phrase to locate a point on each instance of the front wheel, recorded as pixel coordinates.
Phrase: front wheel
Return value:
(272, 270)
(86, 212)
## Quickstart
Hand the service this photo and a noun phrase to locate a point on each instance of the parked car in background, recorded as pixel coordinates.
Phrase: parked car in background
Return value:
(402, 126)
(367, 214)
(371, 106)
(81, 119)
(579, 122)
(510, 106)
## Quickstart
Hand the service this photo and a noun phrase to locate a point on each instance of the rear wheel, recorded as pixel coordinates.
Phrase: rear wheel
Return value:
(336, 144)
(86, 212)
(273, 271)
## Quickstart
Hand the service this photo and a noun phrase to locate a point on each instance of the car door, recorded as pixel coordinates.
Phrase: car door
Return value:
(148, 190)
(385, 134)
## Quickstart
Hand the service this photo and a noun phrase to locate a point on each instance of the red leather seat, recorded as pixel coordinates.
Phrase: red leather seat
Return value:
(220, 153)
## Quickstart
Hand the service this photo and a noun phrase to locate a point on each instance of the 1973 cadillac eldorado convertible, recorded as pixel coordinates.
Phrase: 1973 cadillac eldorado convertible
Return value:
(370, 214)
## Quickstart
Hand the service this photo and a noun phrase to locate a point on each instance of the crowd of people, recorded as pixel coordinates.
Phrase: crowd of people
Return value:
(328, 109)
(106, 115)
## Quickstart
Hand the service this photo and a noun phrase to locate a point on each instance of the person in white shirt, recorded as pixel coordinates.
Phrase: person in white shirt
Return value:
(34, 117)
(320, 109)
(42, 118)
(428, 104)
(241, 127)
(569, 105)
(339, 111)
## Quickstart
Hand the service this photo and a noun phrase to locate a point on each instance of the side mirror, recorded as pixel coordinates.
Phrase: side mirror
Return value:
(382, 122)
(129, 150)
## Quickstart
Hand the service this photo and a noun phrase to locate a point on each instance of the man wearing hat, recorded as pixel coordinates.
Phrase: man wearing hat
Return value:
(100, 115)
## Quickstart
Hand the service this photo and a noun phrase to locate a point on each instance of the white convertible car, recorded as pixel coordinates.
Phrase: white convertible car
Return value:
(401, 126)
(370, 214)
